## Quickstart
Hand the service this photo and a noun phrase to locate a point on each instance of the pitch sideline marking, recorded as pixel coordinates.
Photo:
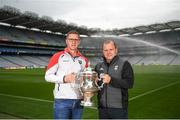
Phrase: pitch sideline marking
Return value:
(130, 99)
(27, 98)
(154, 90)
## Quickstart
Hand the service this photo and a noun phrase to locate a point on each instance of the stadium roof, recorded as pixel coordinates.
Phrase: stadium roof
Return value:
(15, 17)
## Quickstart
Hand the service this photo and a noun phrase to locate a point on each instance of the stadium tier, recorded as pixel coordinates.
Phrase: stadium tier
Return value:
(27, 48)
(28, 36)
(15, 61)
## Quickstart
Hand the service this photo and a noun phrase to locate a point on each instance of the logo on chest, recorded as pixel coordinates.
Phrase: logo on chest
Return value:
(80, 62)
(116, 67)
(102, 69)
(65, 60)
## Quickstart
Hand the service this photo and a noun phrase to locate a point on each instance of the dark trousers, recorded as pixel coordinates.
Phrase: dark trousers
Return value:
(113, 113)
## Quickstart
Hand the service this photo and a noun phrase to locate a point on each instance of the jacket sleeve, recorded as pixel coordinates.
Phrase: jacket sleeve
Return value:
(50, 75)
(127, 77)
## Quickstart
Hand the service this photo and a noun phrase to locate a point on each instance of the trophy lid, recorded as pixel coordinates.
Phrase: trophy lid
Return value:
(88, 70)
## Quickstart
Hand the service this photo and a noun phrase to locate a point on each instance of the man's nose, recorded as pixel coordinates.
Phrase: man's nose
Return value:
(108, 51)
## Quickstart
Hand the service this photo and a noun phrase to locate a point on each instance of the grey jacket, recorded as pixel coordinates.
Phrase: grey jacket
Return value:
(115, 94)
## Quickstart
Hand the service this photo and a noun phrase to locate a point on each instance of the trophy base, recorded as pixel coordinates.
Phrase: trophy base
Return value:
(87, 104)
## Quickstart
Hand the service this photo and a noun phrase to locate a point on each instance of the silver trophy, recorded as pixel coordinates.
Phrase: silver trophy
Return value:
(88, 85)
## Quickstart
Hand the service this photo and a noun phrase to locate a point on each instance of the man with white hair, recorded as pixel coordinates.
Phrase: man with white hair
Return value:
(117, 76)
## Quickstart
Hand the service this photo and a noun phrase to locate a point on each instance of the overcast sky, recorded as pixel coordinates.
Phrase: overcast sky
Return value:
(104, 14)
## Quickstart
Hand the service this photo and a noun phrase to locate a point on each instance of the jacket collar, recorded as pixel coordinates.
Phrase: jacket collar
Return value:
(68, 51)
(112, 61)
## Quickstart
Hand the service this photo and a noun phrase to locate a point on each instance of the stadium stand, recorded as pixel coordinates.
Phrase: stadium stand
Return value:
(148, 60)
(176, 61)
(29, 36)
(22, 61)
(6, 63)
(135, 59)
(165, 59)
(14, 41)
(26, 47)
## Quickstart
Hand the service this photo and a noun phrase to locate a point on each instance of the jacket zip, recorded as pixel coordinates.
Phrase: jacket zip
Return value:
(107, 86)
(58, 86)
(106, 97)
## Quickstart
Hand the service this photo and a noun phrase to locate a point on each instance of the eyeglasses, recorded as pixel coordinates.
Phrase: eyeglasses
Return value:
(71, 39)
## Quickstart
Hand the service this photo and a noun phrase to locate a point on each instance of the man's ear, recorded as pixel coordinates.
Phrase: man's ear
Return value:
(116, 51)
(66, 41)
(79, 42)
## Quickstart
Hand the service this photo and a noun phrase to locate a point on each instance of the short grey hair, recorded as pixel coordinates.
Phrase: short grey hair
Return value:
(109, 41)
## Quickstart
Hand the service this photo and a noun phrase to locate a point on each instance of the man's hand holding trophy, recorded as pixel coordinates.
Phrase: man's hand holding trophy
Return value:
(70, 78)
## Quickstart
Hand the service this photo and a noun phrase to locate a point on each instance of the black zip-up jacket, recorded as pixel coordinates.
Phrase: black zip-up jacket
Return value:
(115, 94)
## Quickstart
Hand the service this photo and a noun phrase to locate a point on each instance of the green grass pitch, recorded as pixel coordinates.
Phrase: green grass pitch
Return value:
(25, 94)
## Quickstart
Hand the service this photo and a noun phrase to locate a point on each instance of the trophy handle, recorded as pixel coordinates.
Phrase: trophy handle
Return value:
(100, 86)
(100, 79)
